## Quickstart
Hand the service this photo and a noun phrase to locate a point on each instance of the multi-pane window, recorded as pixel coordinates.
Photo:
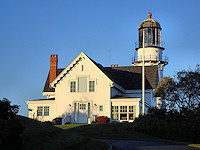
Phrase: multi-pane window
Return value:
(73, 86)
(39, 111)
(114, 112)
(101, 108)
(123, 112)
(91, 86)
(82, 106)
(82, 84)
(123, 108)
(46, 110)
(132, 112)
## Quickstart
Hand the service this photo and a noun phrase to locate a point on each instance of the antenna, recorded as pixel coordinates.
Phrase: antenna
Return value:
(110, 56)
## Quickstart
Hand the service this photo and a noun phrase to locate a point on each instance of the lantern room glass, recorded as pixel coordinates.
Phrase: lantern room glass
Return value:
(152, 37)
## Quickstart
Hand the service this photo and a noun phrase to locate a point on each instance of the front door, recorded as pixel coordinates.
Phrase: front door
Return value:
(82, 113)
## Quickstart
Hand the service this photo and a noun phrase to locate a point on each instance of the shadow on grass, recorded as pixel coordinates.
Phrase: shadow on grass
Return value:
(40, 135)
(115, 131)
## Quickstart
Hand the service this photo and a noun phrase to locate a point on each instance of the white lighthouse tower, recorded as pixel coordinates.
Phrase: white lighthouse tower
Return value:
(149, 49)
(153, 46)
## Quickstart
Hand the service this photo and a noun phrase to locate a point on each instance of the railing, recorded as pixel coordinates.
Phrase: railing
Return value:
(138, 45)
(149, 58)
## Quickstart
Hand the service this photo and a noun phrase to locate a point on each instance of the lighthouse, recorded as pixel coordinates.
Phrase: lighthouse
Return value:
(149, 51)
(151, 45)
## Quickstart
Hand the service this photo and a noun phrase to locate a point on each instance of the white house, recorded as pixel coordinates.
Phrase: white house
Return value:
(85, 89)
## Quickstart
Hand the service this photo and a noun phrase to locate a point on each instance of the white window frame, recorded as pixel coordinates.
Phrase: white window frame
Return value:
(46, 110)
(40, 111)
(115, 112)
(123, 111)
(100, 107)
(72, 87)
(82, 106)
(91, 86)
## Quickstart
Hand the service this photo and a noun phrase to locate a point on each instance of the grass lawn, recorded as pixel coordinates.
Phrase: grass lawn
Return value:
(122, 131)
(115, 131)
(38, 135)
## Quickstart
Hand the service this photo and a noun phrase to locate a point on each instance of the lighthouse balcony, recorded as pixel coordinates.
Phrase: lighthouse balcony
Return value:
(150, 58)
(160, 45)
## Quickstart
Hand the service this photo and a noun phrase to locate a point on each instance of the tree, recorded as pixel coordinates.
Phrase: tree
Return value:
(182, 92)
(10, 127)
(7, 111)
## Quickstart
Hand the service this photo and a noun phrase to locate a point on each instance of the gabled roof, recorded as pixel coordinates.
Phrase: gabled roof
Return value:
(47, 87)
(129, 77)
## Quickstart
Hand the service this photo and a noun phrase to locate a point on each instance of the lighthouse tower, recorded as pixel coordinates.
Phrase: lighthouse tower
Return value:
(150, 31)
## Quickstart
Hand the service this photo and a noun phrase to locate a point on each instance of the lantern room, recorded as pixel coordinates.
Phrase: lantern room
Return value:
(152, 33)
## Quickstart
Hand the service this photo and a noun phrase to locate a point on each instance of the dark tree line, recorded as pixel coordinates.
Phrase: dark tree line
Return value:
(181, 92)
(179, 119)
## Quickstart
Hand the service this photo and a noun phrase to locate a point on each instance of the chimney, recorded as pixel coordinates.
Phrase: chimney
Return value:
(53, 67)
(114, 65)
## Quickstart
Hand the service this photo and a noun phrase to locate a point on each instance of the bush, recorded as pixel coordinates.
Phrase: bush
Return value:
(57, 121)
(102, 119)
(172, 125)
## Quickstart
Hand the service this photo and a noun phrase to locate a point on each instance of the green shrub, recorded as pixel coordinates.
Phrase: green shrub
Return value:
(172, 125)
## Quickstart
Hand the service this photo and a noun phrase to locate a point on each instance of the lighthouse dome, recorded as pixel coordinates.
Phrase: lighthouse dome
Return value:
(149, 23)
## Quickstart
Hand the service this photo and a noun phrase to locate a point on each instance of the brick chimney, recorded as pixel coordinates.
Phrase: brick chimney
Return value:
(53, 67)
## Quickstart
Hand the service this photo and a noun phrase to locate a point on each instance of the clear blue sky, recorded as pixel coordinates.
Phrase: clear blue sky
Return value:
(32, 30)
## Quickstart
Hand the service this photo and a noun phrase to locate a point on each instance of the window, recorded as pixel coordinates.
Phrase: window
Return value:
(115, 112)
(123, 108)
(130, 108)
(101, 108)
(82, 84)
(46, 110)
(82, 68)
(73, 86)
(123, 112)
(82, 106)
(123, 116)
(132, 112)
(39, 111)
(91, 86)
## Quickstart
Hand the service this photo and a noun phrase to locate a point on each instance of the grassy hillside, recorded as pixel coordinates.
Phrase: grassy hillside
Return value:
(38, 135)
(115, 131)
(122, 131)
